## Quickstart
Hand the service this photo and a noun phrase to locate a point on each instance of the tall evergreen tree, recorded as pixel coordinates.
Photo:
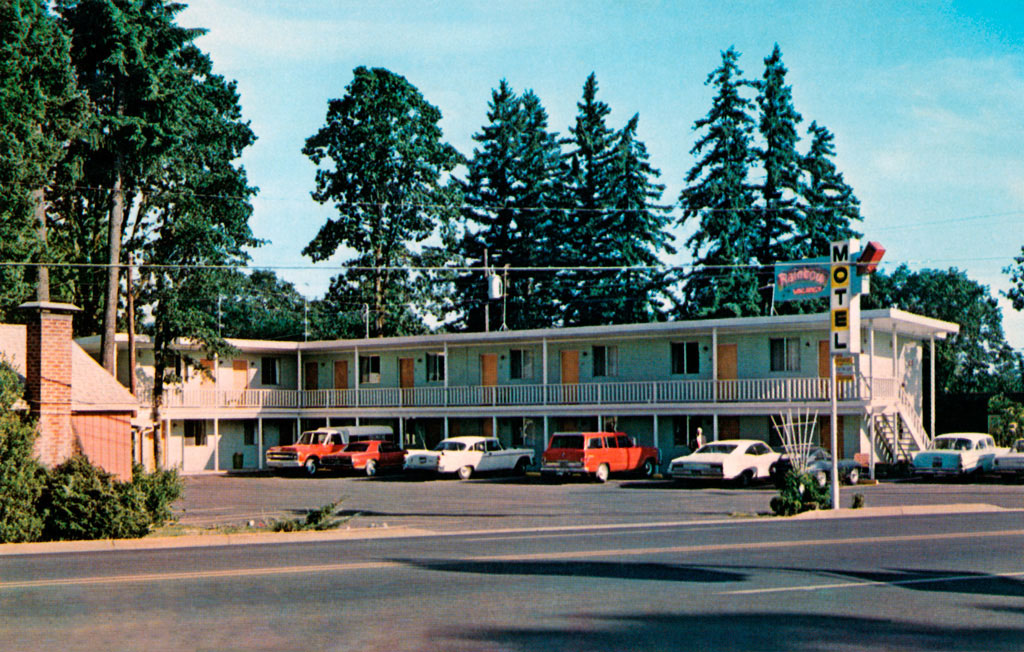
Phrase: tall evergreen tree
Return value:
(124, 53)
(512, 210)
(780, 163)
(829, 205)
(390, 163)
(40, 109)
(720, 197)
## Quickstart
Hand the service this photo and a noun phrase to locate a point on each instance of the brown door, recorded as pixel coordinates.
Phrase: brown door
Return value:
(310, 376)
(488, 428)
(207, 371)
(728, 427)
(341, 374)
(727, 371)
(240, 373)
(488, 376)
(570, 364)
(407, 378)
(826, 434)
(824, 368)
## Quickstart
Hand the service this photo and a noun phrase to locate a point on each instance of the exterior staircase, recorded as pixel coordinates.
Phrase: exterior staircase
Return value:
(900, 434)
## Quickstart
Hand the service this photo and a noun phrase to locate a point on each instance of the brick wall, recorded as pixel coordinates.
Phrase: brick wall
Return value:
(106, 439)
(48, 383)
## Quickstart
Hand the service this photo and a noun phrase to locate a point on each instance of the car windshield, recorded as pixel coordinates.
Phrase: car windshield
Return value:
(721, 449)
(313, 437)
(952, 444)
(567, 441)
(357, 447)
(451, 446)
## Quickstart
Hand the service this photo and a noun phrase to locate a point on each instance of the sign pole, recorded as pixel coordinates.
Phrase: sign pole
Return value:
(834, 436)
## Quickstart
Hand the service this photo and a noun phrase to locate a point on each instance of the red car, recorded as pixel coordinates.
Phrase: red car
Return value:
(366, 456)
(597, 454)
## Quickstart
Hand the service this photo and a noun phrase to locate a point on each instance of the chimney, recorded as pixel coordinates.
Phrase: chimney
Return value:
(48, 378)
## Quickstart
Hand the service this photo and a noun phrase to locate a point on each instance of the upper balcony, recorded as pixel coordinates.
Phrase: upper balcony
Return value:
(766, 391)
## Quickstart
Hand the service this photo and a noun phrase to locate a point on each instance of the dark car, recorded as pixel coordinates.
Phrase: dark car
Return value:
(819, 466)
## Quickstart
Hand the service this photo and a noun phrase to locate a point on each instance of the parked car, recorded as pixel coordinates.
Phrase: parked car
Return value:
(312, 445)
(466, 456)
(597, 454)
(819, 466)
(957, 454)
(1011, 463)
(370, 457)
(738, 460)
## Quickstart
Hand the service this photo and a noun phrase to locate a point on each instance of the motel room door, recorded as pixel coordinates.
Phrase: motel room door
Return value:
(488, 377)
(570, 370)
(407, 378)
(727, 371)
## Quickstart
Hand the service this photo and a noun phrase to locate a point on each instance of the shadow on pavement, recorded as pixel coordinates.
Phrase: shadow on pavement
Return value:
(591, 569)
(747, 632)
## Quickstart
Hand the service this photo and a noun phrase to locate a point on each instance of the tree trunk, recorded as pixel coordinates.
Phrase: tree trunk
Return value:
(42, 271)
(108, 347)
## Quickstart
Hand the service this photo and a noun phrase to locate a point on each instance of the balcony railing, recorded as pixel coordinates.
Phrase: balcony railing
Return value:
(774, 390)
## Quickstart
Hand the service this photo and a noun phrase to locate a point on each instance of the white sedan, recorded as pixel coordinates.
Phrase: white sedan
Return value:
(958, 453)
(1011, 463)
(468, 455)
(740, 460)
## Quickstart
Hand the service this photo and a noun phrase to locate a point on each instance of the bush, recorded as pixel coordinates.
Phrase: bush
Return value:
(800, 493)
(82, 501)
(160, 489)
(21, 477)
(315, 519)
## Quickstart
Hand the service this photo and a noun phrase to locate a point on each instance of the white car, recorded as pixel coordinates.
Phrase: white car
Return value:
(1012, 461)
(468, 455)
(957, 453)
(740, 460)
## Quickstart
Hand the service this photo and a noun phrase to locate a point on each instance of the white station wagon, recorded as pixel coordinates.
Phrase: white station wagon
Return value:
(468, 455)
(741, 460)
(957, 453)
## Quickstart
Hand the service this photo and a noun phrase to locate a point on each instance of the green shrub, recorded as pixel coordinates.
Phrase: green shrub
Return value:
(160, 489)
(21, 477)
(82, 501)
(315, 519)
(800, 493)
(858, 501)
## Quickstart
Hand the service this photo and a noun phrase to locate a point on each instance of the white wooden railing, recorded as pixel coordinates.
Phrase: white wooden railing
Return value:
(772, 390)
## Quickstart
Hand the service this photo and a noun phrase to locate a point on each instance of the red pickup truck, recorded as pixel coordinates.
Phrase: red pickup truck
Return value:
(597, 454)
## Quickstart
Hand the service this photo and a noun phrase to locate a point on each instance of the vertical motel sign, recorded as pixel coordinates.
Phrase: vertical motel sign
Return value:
(843, 276)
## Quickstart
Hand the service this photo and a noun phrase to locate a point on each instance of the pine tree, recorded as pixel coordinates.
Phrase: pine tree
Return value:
(40, 110)
(780, 161)
(389, 162)
(720, 197)
(513, 199)
(829, 205)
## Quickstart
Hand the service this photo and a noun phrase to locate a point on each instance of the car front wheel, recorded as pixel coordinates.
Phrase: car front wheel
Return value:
(310, 466)
(371, 468)
(647, 470)
(853, 476)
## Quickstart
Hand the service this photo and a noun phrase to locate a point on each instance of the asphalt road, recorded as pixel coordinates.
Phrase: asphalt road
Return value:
(488, 503)
(950, 582)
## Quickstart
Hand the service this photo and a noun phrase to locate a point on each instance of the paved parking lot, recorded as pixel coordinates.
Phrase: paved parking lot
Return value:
(496, 503)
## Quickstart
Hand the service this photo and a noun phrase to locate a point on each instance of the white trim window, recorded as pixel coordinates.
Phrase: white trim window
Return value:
(785, 353)
(270, 371)
(520, 364)
(369, 369)
(435, 367)
(606, 361)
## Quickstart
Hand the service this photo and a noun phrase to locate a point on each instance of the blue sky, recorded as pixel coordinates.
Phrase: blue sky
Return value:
(926, 99)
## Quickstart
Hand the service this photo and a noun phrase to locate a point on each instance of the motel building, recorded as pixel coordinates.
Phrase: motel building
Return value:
(658, 382)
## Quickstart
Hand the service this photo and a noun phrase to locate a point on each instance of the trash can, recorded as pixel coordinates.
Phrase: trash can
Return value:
(237, 460)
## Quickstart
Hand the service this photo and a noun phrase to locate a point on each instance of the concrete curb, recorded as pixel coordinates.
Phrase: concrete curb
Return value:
(364, 533)
(908, 510)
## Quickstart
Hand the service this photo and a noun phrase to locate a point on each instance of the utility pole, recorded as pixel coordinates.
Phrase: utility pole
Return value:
(131, 326)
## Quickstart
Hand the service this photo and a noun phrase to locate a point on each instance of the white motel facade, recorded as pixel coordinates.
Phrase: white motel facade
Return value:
(658, 382)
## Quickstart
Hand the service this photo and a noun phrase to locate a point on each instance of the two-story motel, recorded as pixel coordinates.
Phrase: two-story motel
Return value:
(658, 382)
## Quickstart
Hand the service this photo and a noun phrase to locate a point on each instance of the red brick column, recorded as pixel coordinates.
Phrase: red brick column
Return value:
(48, 378)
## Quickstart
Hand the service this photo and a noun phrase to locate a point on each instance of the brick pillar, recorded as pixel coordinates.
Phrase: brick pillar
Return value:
(48, 378)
